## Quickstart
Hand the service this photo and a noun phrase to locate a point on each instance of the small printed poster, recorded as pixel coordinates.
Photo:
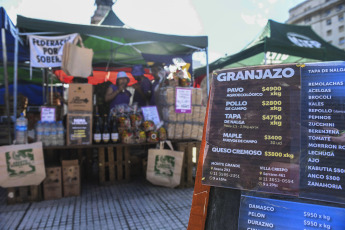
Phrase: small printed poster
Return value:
(183, 100)
(150, 113)
(47, 114)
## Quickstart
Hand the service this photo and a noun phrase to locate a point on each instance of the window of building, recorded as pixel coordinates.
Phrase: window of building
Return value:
(341, 28)
(308, 19)
(340, 17)
(329, 32)
(328, 22)
(339, 7)
(341, 40)
(326, 13)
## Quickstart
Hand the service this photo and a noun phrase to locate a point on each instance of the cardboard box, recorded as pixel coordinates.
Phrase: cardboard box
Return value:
(52, 184)
(80, 97)
(70, 178)
(79, 129)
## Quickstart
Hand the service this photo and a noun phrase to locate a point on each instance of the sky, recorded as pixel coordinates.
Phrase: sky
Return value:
(229, 24)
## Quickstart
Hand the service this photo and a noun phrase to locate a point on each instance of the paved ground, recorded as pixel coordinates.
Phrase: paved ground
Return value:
(133, 205)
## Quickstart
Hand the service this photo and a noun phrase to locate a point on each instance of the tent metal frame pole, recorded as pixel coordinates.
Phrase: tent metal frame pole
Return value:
(15, 80)
(7, 101)
(207, 72)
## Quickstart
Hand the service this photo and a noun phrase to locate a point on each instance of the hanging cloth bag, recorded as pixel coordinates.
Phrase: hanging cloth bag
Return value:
(77, 61)
(164, 166)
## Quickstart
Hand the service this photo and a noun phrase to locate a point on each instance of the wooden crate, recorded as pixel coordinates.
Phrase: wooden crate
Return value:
(52, 184)
(189, 167)
(24, 194)
(113, 165)
(70, 178)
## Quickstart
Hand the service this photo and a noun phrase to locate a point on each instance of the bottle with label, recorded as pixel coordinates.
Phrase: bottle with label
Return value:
(97, 134)
(60, 134)
(39, 131)
(106, 132)
(53, 133)
(46, 134)
(21, 130)
(114, 131)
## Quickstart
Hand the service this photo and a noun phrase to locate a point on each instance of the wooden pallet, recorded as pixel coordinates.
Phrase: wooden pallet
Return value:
(113, 165)
(187, 176)
(24, 194)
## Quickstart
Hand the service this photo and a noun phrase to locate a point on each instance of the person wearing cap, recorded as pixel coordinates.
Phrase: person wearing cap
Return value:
(118, 94)
(143, 87)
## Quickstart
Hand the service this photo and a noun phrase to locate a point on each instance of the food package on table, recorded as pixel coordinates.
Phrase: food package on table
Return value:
(170, 128)
(202, 114)
(136, 120)
(168, 113)
(179, 130)
(188, 117)
(200, 131)
(148, 126)
(140, 136)
(127, 137)
(180, 117)
(195, 131)
(197, 96)
(162, 134)
(152, 136)
(195, 113)
(187, 130)
(123, 121)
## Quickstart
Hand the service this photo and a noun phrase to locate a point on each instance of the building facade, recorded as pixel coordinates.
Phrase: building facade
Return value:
(326, 17)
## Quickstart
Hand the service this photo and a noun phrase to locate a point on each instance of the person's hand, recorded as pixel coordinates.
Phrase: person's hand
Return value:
(121, 88)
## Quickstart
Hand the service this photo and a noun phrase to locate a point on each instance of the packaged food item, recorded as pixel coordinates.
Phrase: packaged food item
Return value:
(148, 126)
(187, 130)
(162, 134)
(140, 136)
(202, 114)
(195, 131)
(170, 128)
(195, 113)
(179, 130)
(152, 136)
(197, 96)
(180, 117)
(127, 137)
(123, 121)
(188, 117)
(136, 120)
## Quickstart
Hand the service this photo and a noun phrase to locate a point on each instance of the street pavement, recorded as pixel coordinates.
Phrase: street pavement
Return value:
(127, 205)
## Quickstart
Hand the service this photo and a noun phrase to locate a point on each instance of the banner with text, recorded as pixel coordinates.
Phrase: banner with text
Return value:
(46, 51)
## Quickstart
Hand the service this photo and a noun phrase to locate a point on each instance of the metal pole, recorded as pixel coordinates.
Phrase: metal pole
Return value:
(7, 102)
(15, 81)
(207, 73)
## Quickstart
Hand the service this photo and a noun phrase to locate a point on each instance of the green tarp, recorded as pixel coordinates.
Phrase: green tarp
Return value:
(116, 44)
(279, 43)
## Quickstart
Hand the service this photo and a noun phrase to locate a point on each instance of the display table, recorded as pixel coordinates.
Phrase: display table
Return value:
(114, 160)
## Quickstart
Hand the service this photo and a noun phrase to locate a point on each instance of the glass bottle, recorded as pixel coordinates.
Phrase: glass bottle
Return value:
(106, 132)
(97, 134)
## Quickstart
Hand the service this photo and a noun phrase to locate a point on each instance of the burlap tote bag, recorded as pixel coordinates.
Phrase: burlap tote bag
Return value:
(77, 61)
(21, 165)
(164, 166)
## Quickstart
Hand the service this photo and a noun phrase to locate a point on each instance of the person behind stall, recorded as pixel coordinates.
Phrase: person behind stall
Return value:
(158, 73)
(118, 94)
(143, 88)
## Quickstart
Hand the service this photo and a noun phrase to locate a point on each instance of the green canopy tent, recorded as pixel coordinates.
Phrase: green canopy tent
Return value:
(117, 44)
(278, 43)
